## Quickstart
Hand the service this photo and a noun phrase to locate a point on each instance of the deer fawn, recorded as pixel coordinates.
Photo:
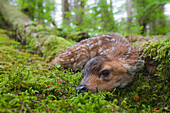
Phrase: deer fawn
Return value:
(109, 61)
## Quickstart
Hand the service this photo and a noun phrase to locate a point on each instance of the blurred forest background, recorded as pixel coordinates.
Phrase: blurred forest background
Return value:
(146, 17)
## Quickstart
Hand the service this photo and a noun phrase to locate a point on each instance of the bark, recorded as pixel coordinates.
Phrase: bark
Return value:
(32, 34)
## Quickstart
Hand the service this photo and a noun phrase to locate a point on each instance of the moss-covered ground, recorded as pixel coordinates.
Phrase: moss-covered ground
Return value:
(26, 85)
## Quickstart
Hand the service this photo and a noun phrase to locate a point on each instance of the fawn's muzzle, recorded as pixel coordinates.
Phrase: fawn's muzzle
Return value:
(82, 89)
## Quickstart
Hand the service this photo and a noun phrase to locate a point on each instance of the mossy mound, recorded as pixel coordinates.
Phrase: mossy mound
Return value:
(52, 46)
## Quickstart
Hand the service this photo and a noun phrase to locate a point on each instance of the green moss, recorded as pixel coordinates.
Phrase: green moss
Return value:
(159, 52)
(53, 46)
(27, 86)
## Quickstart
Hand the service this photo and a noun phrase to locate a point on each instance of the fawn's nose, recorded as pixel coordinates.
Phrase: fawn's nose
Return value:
(82, 89)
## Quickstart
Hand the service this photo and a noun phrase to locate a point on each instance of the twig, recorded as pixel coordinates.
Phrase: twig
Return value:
(12, 92)
(22, 106)
(159, 93)
(48, 111)
(34, 101)
(20, 84)
(28, 108)
(55, 110)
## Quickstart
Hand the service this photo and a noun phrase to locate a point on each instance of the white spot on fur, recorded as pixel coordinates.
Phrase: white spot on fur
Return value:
(91, 46)
(125, 56)
(101, 53)
(129, 49)
(112, 40)
(100, 49)
(99, 42)
(126, 65)
(106, 51)
(107, 39)
(108, 36)
(92, 54)
(87, 44)
(113, 48)
(72, 60)
(61, 59)
(78, 48)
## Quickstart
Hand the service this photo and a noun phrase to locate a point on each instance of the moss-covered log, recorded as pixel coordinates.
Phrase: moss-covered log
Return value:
(16, 19)
(30, 33)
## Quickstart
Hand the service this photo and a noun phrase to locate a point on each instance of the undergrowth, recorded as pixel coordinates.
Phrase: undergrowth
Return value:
(26, 85)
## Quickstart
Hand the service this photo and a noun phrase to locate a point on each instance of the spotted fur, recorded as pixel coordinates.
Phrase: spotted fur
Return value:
(109, 50)
(112, 45)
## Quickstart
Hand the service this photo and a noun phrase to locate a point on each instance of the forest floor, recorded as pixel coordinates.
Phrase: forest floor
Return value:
(26, 85)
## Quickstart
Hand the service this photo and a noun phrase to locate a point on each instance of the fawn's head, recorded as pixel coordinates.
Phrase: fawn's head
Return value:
(103, 73)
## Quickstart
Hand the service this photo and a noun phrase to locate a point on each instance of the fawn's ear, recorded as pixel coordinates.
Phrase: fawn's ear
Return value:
(134, 66)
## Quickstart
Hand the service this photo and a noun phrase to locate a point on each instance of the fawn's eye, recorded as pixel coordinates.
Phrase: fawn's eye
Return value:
(105, 73)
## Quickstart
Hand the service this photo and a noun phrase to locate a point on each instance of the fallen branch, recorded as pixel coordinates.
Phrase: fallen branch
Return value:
(22, 106)
(34, 101)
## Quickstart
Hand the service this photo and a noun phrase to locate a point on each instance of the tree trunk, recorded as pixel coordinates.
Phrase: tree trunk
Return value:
(79, 5)
(129, 14)
(32, 34)
(65, 9)
(82, 4)
(142, 18)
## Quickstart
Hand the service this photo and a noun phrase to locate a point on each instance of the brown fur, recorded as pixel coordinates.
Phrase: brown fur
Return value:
(110, 52)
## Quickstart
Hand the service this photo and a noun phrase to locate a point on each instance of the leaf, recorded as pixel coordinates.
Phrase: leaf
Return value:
(136, 97)
(14, 42)
(51, 88)
(157, 111)
(57, 65)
